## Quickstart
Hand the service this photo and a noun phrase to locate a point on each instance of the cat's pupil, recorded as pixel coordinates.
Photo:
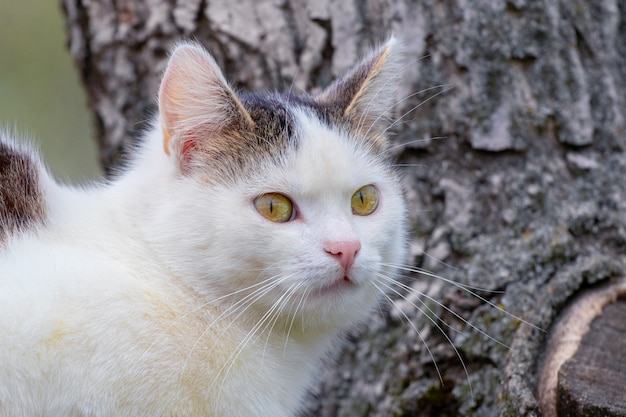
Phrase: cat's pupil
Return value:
(364, 200)
(275, 207)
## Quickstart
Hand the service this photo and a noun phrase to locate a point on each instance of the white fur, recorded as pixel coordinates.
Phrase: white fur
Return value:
(117, 307)
(163, 294)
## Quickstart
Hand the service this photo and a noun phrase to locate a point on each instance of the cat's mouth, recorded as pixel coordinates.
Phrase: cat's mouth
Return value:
(338, 286)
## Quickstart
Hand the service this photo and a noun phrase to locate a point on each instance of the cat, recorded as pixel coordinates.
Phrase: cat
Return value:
(247, 234)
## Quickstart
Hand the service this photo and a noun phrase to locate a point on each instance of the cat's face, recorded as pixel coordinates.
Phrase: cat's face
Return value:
(297, 211)
(317, 229)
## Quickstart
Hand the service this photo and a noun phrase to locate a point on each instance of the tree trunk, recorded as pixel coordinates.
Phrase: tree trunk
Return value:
(514, 177)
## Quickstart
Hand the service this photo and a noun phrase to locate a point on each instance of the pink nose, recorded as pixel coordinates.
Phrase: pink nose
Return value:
(345, 252)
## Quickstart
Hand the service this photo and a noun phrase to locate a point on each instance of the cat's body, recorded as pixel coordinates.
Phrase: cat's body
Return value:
(174, 290)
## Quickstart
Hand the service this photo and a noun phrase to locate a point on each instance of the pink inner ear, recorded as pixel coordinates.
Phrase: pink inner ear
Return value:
(186, 151)
(195, 103)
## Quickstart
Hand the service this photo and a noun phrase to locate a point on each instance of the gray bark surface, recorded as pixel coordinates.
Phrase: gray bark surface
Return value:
(521, 193)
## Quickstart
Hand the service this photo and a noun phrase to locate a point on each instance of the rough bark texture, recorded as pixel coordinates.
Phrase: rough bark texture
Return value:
(524, 193)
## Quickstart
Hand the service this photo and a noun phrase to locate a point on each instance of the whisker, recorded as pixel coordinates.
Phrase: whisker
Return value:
(385, 87)
(223, 372)
(265, 320)
(413, 108)
(430, 353)
(246, 302)
(276, 266)
(208, 303)
(449, 310)
(289, 293)
(469, 289)
(256, 295)
(404, 144)
(365, 111)
(441, 262)
(293, 81)
(409, 165)
(295, 313)
(433, 321)
(443, 91)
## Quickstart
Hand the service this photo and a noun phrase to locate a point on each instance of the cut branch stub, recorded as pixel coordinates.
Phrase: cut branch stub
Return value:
(584, 369)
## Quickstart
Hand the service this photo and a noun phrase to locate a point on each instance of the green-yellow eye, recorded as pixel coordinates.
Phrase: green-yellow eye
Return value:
(365, 200)
(275, 207)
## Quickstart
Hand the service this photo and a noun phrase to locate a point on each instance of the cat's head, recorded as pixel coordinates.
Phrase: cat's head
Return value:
(285, 205)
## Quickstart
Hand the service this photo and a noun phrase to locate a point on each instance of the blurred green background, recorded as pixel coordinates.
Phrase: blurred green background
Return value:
(40, 92)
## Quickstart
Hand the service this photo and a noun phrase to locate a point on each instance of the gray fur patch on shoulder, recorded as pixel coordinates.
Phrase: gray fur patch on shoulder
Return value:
(22, 202)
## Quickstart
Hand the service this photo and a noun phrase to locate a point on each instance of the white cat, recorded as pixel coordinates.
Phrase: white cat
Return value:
(210, 278)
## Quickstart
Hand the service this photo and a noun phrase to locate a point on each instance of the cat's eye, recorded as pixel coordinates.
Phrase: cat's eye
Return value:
(275, 207)
(365, 200)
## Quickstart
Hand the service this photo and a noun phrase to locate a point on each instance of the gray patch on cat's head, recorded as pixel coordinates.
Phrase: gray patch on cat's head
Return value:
(22, 204)
(240, 147)
(332, 115)
(274, 124)
(274, 134)
(276, 130)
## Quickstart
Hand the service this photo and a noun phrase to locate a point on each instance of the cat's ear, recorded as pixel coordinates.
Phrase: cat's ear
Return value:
(366, 95)
(196, 105)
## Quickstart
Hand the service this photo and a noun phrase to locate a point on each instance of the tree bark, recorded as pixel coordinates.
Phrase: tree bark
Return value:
(514, 177)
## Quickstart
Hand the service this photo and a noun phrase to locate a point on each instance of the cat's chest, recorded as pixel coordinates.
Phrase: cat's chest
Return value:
(130, 347)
